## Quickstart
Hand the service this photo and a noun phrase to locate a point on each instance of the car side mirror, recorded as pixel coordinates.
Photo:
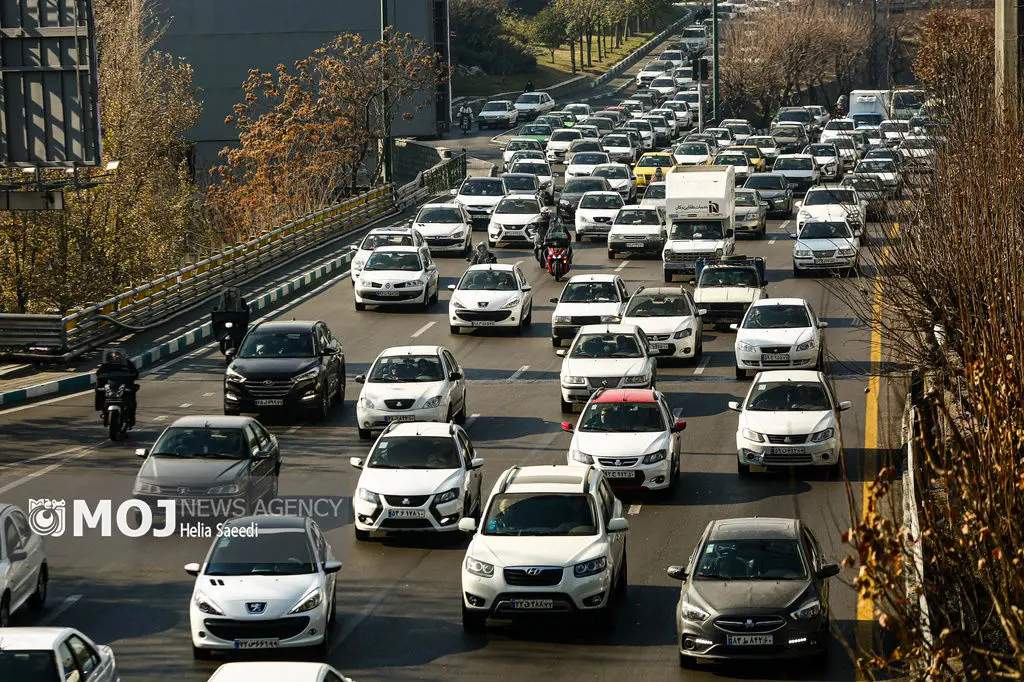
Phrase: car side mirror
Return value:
(360, 379)
(332, 567)
(142, 452)
(467, 524)
(822, 325)
(730, 232)
(18, 555)
(679, 426)
(701, 312)
(828, 571)
(192, 569)
(432, 267)
(765, 204)
(230, 353)
(845, 405)
(618, 525)
(554, 300)
(330, 351)
(792, 235)
(734, 405)
(477, 463)
(677, 572)
(560, 353)
(454, 376)
(356, 462)
(527, 287)
(734, 326)
(567, 427)
(451, 287)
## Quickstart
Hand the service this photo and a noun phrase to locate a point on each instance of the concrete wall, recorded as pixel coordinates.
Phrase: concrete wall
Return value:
(223, 39)
(409, 158)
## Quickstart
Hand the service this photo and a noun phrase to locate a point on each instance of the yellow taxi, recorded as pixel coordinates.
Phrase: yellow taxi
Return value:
(647, 167)
(757, 158)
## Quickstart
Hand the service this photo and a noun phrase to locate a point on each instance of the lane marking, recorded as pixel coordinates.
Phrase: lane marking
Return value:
(771, 241)
(45, 470)
(518, 373)
(185, 406)
(634, 509)
(422, 329)
(470, 419)
(293, 429)
(60, 610)
(207, 395)
(704, 362)
(785, 224)
(39, 458)
(622, 265)
(160, 418)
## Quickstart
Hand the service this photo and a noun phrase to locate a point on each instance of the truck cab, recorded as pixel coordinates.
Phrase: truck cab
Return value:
(700, 202)
(727, 286)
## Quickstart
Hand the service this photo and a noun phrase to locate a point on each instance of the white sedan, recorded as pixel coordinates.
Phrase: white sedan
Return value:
(670, 319)
(826, 244)
(779, 333)
(495, 295)
(541, 169)
(595, 214)
(385, 236)
(275, 671)
(397, 275)
(828, 203)
(620, 177)
(52, 654)
(582, 164)
(446, 227)
(410, 383)
(519, 144)
(637, 230)
(605, 356)
(24, 574)
(789, 418)
(883, 171)
(268, 582)
(692, 154)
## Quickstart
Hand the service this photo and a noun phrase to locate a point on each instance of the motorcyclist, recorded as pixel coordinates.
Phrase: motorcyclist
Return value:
(465, 117)
(482, 255)
(231, 307)
(529, 86)
(117, 366)
(841, 106)
(555, 235)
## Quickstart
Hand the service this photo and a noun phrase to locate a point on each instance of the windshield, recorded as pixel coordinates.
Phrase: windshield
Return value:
(270, 552)
(787, 132)
(776, 559)
(615, 141)
(534, 514)
(528, 99)
(840, 125)
(877, 166)
(602, 201)
(794, 164)
(669, 56)
(606, 346)
(439, 215)
(829, 196)
(590, 158)
(694, 33)
(907, 100)
(663, 82)
(637, 216)
(692, 149)
(536, 129)
(260, 344)
(623, 418)
(795, 116)
(918, 144)
(655, 192)
(372, 241)
(746, 199)
(590, 292)
(518, 182)
(516, 145)
(488, 280)
(406, 369)
(731, 160)
(578, 108)
(728, 277)
(201, 442)
(539, 169)
(482, 188)
(697, 229)
(566, 135)
(659, 305)
(612, 173)
(788, 396)
(825, 230)
(393, 260)
(867, 119)
(762, 142)
(495, 106)
(580, 186)
(517, 206)
(414, 452)
(588, 146)
(656, 66)
(894, 127)
(844, 143)
(777, 317)
(29, 665)
(863, 184)
(764, 182)
(740, 128)
(655, 162)
(687, 96)
(880, 154)
(721, 134)
(821, 150)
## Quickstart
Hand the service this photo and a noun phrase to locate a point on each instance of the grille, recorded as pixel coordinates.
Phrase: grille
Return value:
(825, 254)
(774, 349)
(404, 524)
(400, 404)
(726, 307)
(793, 440)
(400, 500)
(602, 219)
(750, 625)
(620, 462)
(603, 382)
(402, 296)
(688, 257)
(276, 388)
(281, 628)
(658, 337)
(478, 209)
(789, 459)
(585, 319)
(546, 578)
(443, 241)
(484, 315)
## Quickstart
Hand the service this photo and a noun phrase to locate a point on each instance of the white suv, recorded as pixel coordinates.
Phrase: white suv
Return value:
(422, 476)
(552, 541)
(23, 570)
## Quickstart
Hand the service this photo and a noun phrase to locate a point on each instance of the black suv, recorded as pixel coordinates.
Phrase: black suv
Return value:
(296, 366)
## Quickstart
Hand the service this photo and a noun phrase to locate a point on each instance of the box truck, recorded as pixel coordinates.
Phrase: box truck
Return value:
(699, 220)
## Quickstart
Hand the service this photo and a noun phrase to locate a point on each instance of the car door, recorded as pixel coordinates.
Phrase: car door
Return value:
(326, 357)
(20, 572)
(809, 546)
(611, 508)
(34, 546)
(526, 291)
(834, 399)
(431, 269)
(623, 295)
(270, 444)
(457, 386)
(670, 420)
(82, 662)
(261, 464)
(324, 553)
(472, 477)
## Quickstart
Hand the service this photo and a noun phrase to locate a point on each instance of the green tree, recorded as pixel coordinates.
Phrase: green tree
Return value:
(549, 30)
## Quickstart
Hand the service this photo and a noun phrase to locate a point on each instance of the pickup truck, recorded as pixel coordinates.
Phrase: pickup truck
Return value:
(726, 287)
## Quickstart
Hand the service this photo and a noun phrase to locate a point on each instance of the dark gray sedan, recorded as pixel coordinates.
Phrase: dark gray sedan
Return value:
(773, 188)
(755, 588)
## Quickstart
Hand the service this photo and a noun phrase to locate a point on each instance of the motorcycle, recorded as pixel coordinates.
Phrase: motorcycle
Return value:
(465, 123)
(229, 327)
(114, 407)
(557, 258)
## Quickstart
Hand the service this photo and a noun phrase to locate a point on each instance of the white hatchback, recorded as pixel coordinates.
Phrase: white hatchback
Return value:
(620, 177)
(582, 164)
(397, 275)
(385, 236)
(491, 295)
(275, 671)
(50, 654)
(779, 333)
(670, 319)
(24, 575)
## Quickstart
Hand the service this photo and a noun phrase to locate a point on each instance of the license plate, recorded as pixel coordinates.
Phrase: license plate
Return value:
(407, 514)
(825, 261)
(659, 346)
(269, 403)
(483, 323)
(256, 643)
(533, 604)
(400, 418)
(634, 245)
(387, 293)
(618, 474)
(750, 640)
(779, 357)
(787, 451)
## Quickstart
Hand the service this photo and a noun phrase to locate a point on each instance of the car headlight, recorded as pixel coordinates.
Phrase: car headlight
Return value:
(433, 402)
(582, 457)
(824, 434)
(232, 375)
(804, 215)
(512, 304)
(497, 226)
(457, 305)
(563, 202)
(745, 347)
(230, 489)
(692, 613)
(308, 374)
(685, 333)
(802, 253)
(358, 263)
(206, 605)
(459, 231)
(480, 568)
(560, 319)
(309, 602)
(146, 488)
(368, 496)
(752, 435)
(848, 251)
(655, 457)
(719, 252)
(573, 381)
(367, 404)
(591, 567)
(611, 319)
(638, 379)
(806, 345)
(448, 496)
(811, 609)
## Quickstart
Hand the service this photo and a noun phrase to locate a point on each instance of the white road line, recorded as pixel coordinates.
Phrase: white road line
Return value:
(207, 395)
(704, 362)
(293, 430)
(45, 470)
(185, 406)
(785, 225)
(422, 329)
(518, 373)
(38, 458)
(772, 240)
(634, 509)
(622, 265)
(160, 418)
(470, 419)
(59, 611)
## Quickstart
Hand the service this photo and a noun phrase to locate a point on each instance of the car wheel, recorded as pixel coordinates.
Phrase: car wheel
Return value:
(452, 329)
(741, 468)
(528, 320)
(333, 614)
(741, 373)
(201, 654)
(360, 306)
(797, 272)
(324, 411)
(611, 255)
(623, 584)
(361, 535)
(38, 599)
(557, 343)
(472, 622)
(322, 649)
(460, 418)
(668, 276)
(565, 406)
(364, 434)
(579, 236)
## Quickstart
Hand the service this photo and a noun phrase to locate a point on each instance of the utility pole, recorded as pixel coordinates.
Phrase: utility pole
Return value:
(386, 166)
(1007, 59)
(714, 56)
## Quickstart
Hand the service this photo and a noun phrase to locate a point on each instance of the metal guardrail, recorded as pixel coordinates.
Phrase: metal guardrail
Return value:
(433, 181)
(915, 574)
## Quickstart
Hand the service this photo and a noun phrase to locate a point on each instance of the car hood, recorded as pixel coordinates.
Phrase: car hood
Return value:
(691, 159)
(726, 294)
(254, 368)
(494, 114)
(572, 197)
(771, 193)
(795, 173)
(825, 160)
(691, 245)
(638, 230)
(388, 276)
(618, 183)
(281, 593)
(588, 309)
(603, 367)
(515, 218)
(827, 211)
(581, 168)
(409, 481)
(727, 595)
(617, 150)
(774, 337)
(536, 551)
(619, 444)
(881, 175)
(825, 244)
(786, 423)
(192, 472)
(478, 201)
(439, 229)
(744, 211)
(660, 325)
(559, 145)
(413, 390)
(491, 300)
(597, 212)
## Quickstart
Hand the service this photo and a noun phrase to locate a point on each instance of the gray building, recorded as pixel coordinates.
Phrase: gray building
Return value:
(223, 39)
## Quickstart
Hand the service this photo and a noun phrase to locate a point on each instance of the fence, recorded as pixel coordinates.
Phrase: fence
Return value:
(433, 181)
(914, 582)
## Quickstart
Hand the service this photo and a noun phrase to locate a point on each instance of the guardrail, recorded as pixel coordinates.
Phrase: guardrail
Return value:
(915, 574)
(433, 181)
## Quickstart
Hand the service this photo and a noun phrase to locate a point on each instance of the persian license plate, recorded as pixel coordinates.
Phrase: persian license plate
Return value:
(778, 357)
(483, 323)
(634, 245)
(617, 474)
(256, 643)
(660, 346)
(407, 514)
(269, 403)
(750, 640)
(387, 293)
(533, 604)
(787, 451)
(400, 418)
(688, 267)
(826, 261)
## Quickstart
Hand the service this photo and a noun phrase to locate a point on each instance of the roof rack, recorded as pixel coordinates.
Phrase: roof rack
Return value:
(507, 479)
(586, 478)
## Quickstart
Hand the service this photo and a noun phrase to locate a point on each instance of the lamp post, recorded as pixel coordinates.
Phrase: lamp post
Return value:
(386, 166)
(714, 57)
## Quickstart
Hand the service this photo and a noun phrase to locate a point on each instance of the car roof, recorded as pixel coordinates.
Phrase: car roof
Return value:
(661, 291)
(442, 204)
(270, 521)
(506, 267)
(22, 639)
(790, 375)
(625, 395)
(293, 671)
(593, 277)
(754, 527)
(601, 193)
(390, 230)
(443, 429)
(610, 164)
(608, 329)
(477, 178)
(396, 351)
(512, 175)
(397, 248)
(748, 190)
(293, 325)
(795, 156)
(779, 301)
(547, 478)
(210, 421)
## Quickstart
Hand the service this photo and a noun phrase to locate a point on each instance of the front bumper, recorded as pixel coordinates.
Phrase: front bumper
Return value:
(789, 359)
(640, 476)
(793, 640)
(591, 229)
(407, 513)
(644, 245)
(583, 393)
(510, 235)
(402, 296)
(672, 347)
(837, 262)
(825, 453)
(282, 394)
(380, 417)
(480, 215)
(777, 204)
(221, 633)
(455, 243)
(467, 317)
(571, 595)
(555, 155)
(724, 313)
(748, 224)
(494, 122)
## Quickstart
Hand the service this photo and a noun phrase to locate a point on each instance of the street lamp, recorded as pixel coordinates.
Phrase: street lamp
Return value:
(386, 166)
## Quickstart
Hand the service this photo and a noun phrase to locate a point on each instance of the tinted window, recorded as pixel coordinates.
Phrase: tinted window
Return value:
(659, 305)
(655, 192)
(539, 514)
(637, 216)
(31, 665)
(269, 344)
(697, 229)
(612, 173)
(201, 442)
(414, 452)
(520, 183)
(590, 292)
(590, 158)
(830, 196)
(751, 560)
(579, 186)
(777, 317)
(823, 230)
(601, 201)
(518, 206)
(565, 135)
(606, 346)
(397, 369)
(794, 164)
(616, 141)
(622, 417)
(488, 280)
(788, 396)
(373, 241)
(655, 162)
(270, 552)
(482, 188)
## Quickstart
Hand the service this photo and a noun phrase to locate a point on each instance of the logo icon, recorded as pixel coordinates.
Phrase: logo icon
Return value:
(387, 286)
(47, 516)
(406, 501)
(255, 607)
(482, 304)
(618, 462)
(788, 440)
(749, 624)
(183, 491)
(533, 571)
(712, 207)
(268, 382)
